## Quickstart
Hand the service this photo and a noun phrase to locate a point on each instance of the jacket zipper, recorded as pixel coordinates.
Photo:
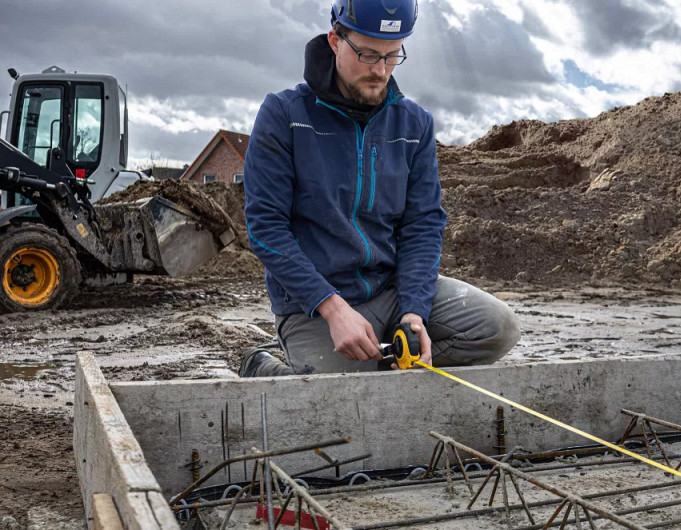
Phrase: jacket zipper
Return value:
(359, 137)
(372, 191)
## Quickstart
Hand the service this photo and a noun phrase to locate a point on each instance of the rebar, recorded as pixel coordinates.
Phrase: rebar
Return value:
(501, 430)
(336, 464)
(267, 478)
(246, 457)
(628, 511)
(643, 420)
(311, 502)
(486, 511)
(376, 485)
(533, 480)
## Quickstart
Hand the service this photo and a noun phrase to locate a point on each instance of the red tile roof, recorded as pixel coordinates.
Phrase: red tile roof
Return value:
(237, 141)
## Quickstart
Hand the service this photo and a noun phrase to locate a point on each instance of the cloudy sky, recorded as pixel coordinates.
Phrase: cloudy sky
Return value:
(194, 67)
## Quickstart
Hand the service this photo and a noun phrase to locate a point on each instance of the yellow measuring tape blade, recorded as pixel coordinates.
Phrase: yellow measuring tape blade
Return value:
(551, 420)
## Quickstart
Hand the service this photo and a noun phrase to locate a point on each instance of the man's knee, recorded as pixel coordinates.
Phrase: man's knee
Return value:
(492, 337)
(503, 333)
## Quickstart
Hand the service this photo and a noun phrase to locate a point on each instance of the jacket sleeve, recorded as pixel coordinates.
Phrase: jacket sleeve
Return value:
(419, 236)
(269, 183)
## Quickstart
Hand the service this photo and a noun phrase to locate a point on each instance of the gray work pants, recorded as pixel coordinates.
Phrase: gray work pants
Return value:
(467, 326)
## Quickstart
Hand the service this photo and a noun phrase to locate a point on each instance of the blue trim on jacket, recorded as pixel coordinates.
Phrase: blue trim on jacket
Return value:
(319, 226)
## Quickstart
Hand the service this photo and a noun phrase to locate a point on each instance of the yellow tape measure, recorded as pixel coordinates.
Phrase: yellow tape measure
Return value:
(551, 420)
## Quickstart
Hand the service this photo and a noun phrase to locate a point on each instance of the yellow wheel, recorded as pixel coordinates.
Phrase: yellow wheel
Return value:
(31, 276)
(39, 267)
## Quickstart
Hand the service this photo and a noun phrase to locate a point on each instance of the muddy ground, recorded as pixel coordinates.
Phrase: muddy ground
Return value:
(575, 224)
(160, 328)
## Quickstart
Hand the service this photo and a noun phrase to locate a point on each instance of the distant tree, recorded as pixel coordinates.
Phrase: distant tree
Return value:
(152, 161)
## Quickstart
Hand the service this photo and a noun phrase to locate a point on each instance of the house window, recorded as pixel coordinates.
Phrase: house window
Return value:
(238, 178)
(208, 178)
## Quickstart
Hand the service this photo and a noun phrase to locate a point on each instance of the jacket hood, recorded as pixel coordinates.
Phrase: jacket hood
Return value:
(320, 73)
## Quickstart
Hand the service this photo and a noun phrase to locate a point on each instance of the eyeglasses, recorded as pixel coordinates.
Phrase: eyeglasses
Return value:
(373, 58)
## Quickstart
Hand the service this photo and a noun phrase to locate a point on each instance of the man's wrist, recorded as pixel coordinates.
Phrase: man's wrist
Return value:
(331, 306)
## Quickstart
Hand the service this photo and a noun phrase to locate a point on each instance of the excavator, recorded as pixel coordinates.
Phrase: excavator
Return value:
(65, 148)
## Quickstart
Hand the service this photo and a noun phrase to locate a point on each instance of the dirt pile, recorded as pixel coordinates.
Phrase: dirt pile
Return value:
(182, 192)
(219, 206)
(588, 200)
(236, 260)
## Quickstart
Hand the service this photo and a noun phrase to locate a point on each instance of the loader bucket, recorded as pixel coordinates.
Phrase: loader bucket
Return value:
(157, 236)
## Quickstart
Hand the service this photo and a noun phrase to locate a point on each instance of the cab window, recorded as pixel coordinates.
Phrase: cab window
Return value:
(40, 121)
(86, 145)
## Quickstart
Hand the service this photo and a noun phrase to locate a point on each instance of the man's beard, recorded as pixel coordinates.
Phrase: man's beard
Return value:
(365, 99)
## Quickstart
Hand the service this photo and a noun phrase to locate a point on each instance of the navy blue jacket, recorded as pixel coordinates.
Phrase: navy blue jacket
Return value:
(334, 207)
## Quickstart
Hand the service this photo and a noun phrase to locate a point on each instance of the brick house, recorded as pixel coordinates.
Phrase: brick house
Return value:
(221, 160)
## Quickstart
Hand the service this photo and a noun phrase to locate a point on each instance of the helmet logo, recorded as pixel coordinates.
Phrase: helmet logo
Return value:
(391, 26)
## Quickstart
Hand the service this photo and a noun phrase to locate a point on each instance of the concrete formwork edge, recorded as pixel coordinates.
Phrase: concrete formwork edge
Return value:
(109, 458)
(387, 414)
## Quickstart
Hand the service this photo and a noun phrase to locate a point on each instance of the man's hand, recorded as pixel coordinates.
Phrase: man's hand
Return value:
(353, 336)
(424, 340)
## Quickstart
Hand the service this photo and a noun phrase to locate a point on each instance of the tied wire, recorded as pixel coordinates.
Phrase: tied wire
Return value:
(551, 420)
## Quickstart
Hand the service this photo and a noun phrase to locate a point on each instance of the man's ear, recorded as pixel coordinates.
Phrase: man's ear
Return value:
(334, 40)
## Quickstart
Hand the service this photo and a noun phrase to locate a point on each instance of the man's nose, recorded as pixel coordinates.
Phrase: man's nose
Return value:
(378, 68)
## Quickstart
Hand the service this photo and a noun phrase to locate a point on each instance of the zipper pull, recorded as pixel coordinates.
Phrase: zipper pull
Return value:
(373, 151)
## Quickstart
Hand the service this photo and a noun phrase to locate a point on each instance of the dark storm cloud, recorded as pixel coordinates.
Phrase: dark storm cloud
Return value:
(240, 49)
(609, 24)
(190, 56)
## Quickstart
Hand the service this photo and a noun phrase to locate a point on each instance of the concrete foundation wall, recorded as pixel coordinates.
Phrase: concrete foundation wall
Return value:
(109, 459)
(386, 414)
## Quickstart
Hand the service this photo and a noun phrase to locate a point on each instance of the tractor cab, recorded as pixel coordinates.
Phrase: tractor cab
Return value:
(74, 125)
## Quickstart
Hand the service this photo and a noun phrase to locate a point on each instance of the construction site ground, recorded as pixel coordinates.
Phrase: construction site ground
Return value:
(161, 328)
(576, 224)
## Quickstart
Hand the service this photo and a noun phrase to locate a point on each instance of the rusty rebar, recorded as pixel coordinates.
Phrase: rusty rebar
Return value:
(311, 502)
(501, 430)
(664, 423)
(643, 420)
(267, 478)
(195, 465)
(541, 484)
(495, 469)
(627, 511)
(246, 457)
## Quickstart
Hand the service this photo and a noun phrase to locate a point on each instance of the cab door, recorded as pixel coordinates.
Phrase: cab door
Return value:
(38, 129)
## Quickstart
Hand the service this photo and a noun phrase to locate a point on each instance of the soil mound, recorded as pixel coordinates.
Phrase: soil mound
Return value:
(182, 192)
(588, 200)
(578, 201)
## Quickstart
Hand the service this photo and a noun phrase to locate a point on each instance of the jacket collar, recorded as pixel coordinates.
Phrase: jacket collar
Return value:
(320, 71)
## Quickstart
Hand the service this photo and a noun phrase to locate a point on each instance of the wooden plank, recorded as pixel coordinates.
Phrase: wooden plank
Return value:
(108, 457)
(104, 513)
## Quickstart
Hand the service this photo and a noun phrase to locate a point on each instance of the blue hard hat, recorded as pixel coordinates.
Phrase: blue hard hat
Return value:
(381, 19)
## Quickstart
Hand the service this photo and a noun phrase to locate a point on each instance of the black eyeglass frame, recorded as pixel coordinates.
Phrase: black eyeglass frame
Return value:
(377, 56)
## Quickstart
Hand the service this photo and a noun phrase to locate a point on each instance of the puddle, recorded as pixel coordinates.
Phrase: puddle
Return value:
(22, 371)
